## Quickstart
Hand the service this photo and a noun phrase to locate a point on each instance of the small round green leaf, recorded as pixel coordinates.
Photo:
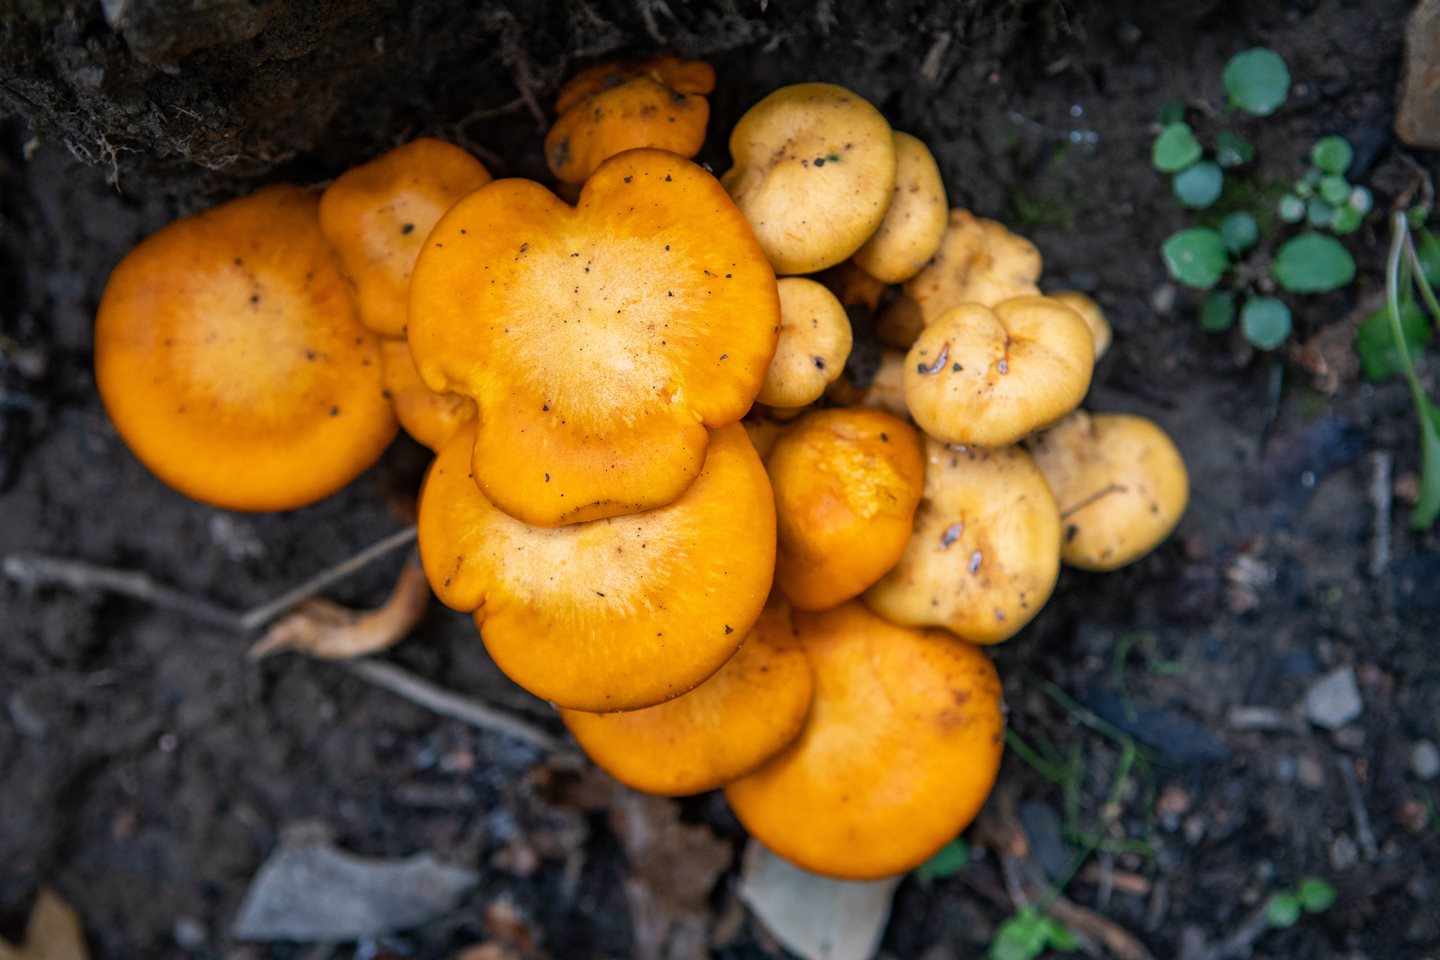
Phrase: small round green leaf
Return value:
(1319, 213)
(1332, 154)
(1196, 257)
(1335, 190)
(1346, 220)
(1283, 910)
(1240, 232)
(1175, 148)
(1232, 150)
(1265, 322)
(1217, 313)
(1312, 263)
(1291, 208)
(1316, 895)
(1199, 185)
(1257, 81)
(1305, 189)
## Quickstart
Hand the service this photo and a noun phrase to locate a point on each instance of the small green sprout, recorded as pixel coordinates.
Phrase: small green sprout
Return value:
(1257, 81)
(1312, 263)
(950, 860)
(1175, 149)
(1240, 231)
(1265, 322)
(1199, 185)
(1197, 257)
(1284, 909)
(1029, 934)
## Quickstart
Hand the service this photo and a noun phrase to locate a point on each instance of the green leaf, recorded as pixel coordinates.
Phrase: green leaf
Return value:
(1240, 232)
(1196, 257)
(1346, 220)
(950, 860)
(1335, 190)
(1217, 313)
(1232, 150)
(1060, 938)
(1428, 507)
(1416, 217)
(1172, 111)
(1291, 208)
(1257, 81)
(1312, 263)
(1265, 322)
(1199, 185)
(1316, 895)
(1332, 154)
(1427, 249)
(1175, 149)
(1375, 343)
(1319, 214)
(1282, 911)
(1022, 937)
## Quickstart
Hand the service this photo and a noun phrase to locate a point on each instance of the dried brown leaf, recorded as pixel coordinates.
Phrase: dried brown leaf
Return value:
(321, 628)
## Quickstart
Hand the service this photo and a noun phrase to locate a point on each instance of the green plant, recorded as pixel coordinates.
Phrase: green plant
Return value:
(1285, 907)
(950, 860)
(1228, 243)
(1028, 934)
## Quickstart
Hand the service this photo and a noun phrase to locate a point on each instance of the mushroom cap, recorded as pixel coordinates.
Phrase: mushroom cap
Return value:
(611, 108)
(1091, 313)
(763, 431)
(431, 418)
(814, 168)
(1120, 482)
(915, 220)
(988, 377)
(742, 716)
(901, 748)
(979, 261)
(846, 486)
(232, 360)
(985, 553)
(814, 344)
(599, 341)
(378, 214)
(613, 614)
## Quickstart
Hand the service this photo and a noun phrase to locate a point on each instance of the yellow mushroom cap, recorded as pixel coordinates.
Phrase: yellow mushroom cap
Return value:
(763, 431)
(613, 614)
(1094, 318)
(814, 168)
(985, 553)
(814, 344)
(901, 748)
(846, 486)
(599, 341)
(231, 358)
(746, 713)
(979, 261)
(377, 216)
(431, 418)
(914, 222)
(1120, 483)
(988, 377)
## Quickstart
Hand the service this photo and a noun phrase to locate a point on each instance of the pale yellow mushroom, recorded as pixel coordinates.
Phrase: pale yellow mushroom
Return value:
(1090, 312)
(814, 344)
(915, 221)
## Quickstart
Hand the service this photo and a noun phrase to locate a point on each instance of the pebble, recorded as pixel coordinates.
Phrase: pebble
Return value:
(1343, 853)
(1417, 120)
(1334, 699)
(1425, 761)
(189, 933)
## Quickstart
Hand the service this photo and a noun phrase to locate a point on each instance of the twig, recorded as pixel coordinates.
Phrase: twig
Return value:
(257, 617)
(1382, 468)
(1364, 833)
(404, 684)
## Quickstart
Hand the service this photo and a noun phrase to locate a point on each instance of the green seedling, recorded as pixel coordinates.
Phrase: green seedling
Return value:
(1285, 907)
(1030, 933)
(950, 860)
(1233, 245)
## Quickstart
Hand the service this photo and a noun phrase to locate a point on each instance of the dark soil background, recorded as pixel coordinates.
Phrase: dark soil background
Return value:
(147, 768)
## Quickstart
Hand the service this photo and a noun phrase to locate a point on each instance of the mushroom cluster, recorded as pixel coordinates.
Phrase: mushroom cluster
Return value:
(739, 473)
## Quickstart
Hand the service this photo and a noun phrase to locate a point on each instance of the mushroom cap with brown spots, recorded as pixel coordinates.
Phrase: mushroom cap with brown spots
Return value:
(814, 344)
(914, 222)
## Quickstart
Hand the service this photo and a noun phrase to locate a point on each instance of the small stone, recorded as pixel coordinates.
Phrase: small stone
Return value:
(1425, 761)
(189, 934)
(1284, 769)
(1334, 699)
(1343, 853)
(1310, 772)
(1417, 121)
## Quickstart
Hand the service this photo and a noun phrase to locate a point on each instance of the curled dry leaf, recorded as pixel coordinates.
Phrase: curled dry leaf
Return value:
(53, 932)
(324, 629)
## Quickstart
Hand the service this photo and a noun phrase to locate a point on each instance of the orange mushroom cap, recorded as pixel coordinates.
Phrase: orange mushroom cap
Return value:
(601, 340)
(231, 358)
(431, 418)
(985, 552)
(614, 107)
(814, 168)
(614, 614)
(901, 749)
(742, 716)
(846, 486)
(377, 216)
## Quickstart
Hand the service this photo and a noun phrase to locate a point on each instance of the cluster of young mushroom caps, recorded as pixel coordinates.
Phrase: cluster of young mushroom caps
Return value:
(744, 532)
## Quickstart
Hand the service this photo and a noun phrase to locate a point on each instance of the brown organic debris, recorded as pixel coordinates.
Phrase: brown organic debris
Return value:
(325, 629)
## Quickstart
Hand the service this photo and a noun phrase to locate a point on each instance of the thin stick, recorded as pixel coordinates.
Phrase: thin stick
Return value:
(1364, 832)
(260, 616)
(37, 571)
(404, 684)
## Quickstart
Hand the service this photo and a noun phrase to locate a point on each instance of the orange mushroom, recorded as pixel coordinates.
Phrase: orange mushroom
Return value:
(742, 716)
(846, 486)
(985, 552)
(600, 341)
(619, 106)
(231, 358)
(613, 614)
(901, 748)
(377, 216)
(431, 418)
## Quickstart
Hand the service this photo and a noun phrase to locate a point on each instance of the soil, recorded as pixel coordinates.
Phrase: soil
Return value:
(147, 768)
